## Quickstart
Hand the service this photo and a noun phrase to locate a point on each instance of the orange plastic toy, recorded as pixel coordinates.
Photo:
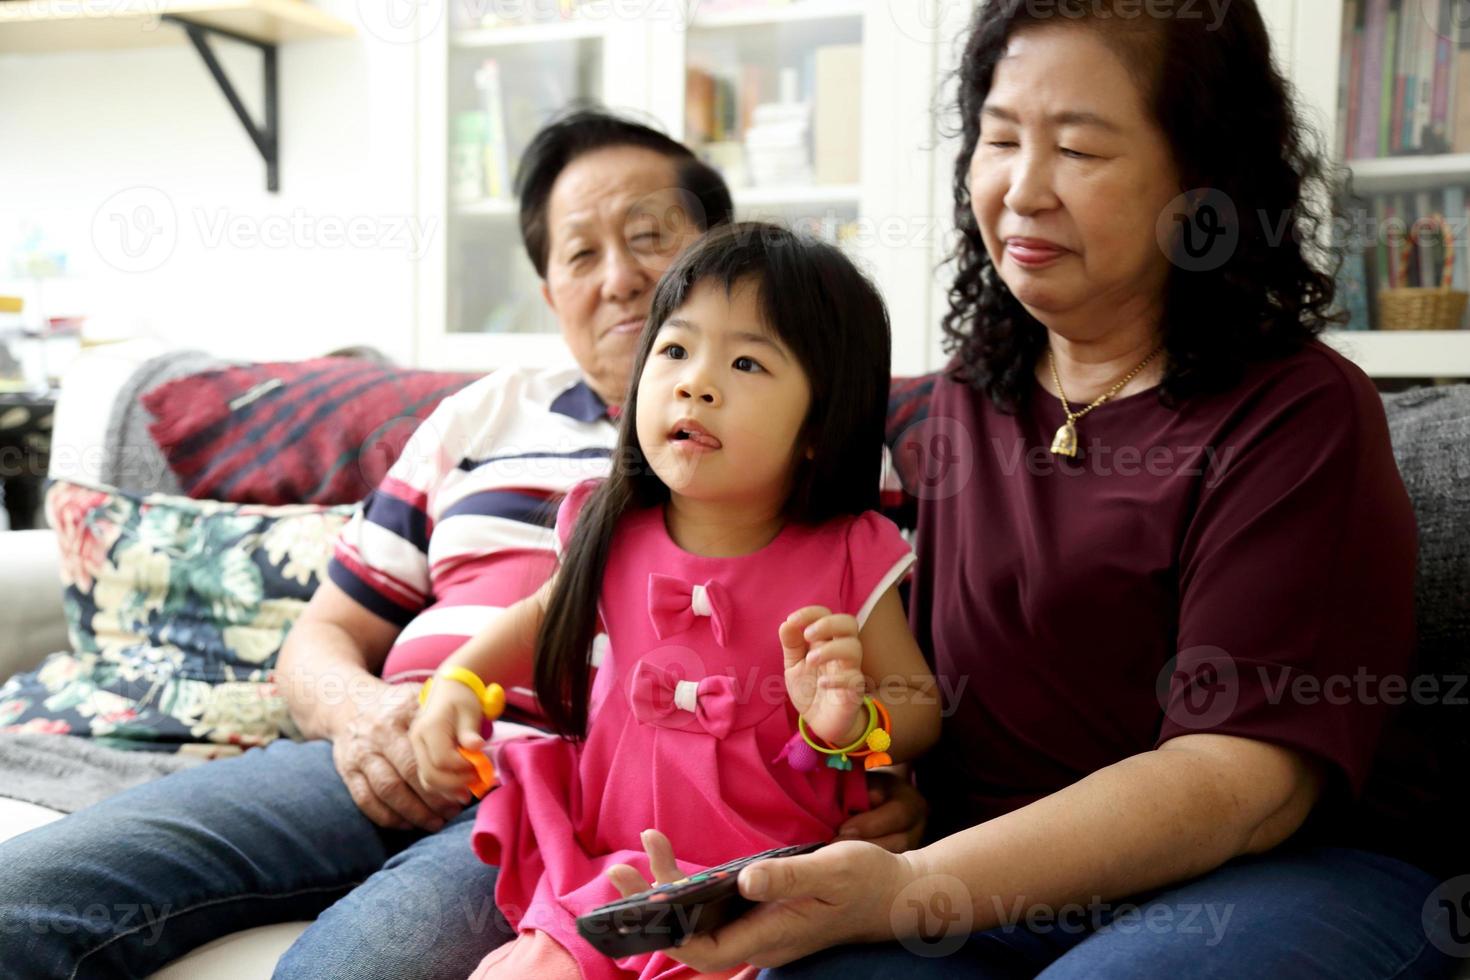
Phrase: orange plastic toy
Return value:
(484, 769)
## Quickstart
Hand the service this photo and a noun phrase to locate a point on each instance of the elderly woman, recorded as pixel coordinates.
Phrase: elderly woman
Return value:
(1159, 521)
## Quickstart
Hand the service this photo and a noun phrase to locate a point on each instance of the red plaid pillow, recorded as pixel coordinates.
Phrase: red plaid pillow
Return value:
(323, 431)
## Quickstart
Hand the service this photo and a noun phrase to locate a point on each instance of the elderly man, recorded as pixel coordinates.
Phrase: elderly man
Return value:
(337, 828)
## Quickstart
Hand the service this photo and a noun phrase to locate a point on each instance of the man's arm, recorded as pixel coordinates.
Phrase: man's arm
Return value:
(328, 674)
(328, 668)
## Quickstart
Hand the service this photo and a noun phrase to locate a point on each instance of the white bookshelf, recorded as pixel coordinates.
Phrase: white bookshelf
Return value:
(643, 68)
(1406, 353)
(793, 13)
(798, 195)
(495, 208)
(1308, 39)
(502, 37)
(1390, 174)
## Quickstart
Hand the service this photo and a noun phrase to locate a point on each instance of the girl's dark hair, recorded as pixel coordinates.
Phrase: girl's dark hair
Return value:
(584, 129)
(833, 320)
(1229, 118)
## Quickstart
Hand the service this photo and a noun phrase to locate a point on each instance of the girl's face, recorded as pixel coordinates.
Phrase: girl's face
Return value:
(1069, 178)
(722, 401)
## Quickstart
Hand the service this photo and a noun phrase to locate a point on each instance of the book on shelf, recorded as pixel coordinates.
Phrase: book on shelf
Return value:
(1402, 79)
(467, 157)
(778, 144)
(1459, 89)
(512, 105)
(837, 114)
(792, 124)
(1353, 294)
(496, 150)
(1454, 204)
(1369, 37)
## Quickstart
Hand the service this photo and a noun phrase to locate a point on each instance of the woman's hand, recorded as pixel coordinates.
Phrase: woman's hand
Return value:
(376, 761)
(449, 719)
(896, 820)
(824, 676)
(843, 893)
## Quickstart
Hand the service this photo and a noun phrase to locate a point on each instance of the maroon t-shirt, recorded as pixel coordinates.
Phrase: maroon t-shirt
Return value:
(1240, 564)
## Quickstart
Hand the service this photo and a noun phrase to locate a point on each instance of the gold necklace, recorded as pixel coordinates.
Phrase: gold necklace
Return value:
(1064, 443)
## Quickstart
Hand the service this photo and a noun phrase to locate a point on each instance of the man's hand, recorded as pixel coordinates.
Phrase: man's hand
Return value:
(896, 820)
(375, 759)
(843, 893)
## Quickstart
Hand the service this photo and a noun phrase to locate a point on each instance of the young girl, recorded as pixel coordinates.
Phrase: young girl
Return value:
(744, 581)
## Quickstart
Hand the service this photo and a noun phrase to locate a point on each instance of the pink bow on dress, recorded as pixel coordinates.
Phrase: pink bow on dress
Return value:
(659, 696)
(673, 605)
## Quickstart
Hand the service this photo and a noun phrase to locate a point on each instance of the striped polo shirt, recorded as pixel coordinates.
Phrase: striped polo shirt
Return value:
(460, 528)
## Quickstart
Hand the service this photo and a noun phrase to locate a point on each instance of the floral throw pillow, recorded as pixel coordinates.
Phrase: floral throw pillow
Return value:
(176, 609)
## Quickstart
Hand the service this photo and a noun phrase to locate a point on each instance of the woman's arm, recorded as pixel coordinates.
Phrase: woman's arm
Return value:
(1154, 818)
(1158, 817)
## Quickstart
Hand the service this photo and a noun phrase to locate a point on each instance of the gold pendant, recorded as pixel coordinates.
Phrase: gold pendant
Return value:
(1064, 443)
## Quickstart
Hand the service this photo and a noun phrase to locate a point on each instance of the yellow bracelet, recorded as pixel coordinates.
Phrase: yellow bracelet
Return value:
(840, 755)
(492, 698)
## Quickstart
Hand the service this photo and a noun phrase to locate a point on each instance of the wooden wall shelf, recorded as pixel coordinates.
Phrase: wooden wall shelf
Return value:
(41, 26)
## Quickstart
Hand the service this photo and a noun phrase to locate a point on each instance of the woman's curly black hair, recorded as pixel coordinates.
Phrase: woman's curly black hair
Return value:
(1230, 120)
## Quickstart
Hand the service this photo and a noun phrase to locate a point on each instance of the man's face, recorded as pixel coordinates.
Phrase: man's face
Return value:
(616, 220)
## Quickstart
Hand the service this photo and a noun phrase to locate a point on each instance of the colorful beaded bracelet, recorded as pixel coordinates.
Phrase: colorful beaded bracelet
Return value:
(804, 755)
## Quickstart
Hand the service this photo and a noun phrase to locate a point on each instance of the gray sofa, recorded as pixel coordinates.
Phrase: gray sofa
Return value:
(98, 416)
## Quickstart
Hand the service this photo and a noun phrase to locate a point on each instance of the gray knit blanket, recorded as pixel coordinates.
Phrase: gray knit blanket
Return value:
(134, 461)
(66, 773)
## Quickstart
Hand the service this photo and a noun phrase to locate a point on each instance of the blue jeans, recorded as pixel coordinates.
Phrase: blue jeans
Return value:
(122, 888)
(1332, 913)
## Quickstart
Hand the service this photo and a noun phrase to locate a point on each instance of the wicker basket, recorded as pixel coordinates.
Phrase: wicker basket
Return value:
(1424, 308)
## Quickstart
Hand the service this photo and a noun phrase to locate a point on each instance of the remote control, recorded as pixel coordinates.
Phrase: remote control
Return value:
(661, 917)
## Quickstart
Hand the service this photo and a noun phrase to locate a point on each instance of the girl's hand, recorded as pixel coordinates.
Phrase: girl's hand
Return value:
(824, 676)
(845, 892)
(450, 718)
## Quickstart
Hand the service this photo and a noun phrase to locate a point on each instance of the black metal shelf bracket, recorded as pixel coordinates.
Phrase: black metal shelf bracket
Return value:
(267, 137)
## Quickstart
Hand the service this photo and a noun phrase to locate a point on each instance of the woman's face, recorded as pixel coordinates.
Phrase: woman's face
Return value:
(616, 220)
(1068, 180)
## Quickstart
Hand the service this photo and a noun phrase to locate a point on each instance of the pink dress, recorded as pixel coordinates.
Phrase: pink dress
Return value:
(688, 711)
